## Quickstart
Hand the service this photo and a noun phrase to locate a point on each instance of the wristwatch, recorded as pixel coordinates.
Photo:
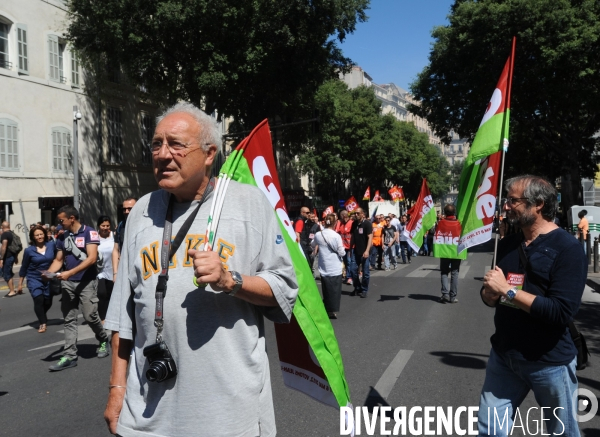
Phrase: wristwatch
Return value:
(510, 294)
(238, 283)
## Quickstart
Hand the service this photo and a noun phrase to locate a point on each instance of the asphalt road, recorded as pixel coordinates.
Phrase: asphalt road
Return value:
(400, 348)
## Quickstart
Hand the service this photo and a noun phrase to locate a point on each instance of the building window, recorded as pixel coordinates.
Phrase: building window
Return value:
(9, 149)
(74, 70)
(113, 72)
(61, 149)
(56, 51)
(22, 48)
(4, 30)
(115, 138)
(147, 134)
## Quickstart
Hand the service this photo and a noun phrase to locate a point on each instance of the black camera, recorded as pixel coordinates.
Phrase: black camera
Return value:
(162, 364)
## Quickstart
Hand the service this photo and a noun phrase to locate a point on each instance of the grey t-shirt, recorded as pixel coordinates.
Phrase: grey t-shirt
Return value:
(217, 341)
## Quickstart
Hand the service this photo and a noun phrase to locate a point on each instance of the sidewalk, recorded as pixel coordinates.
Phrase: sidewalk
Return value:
(593, 279)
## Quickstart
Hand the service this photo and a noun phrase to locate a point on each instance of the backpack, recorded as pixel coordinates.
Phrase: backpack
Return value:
(81, 256)
(15, 247)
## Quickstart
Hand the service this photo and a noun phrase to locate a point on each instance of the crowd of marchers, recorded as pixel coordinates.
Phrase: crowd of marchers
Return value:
(361, 244)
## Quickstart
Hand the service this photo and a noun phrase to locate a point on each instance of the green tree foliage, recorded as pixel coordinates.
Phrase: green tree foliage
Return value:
(360, 147)
(249, 59)
(555, 105)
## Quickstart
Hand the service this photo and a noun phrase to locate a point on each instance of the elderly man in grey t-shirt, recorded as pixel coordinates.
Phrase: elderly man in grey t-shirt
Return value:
(214, 333)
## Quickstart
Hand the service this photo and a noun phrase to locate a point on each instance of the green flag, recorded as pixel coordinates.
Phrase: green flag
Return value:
(308, 350)
(478, 187)
(422, 219)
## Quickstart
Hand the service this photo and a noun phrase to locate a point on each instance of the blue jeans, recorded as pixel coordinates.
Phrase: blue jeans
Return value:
(507, 383)
(452, 267)
(365, 263)
(388, 256)
(7, 269)
(349, 263)
(406, 250)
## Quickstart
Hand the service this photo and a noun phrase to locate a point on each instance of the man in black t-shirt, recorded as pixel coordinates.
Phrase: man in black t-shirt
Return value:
(361, 241)
(7, 258)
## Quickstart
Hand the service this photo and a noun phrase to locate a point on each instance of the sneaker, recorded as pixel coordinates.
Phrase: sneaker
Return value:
(409, 261)
(444, 299)
(363, 295)
(387, 269)
(103, 350)
(453, 300)
(394, 267)
(332, 315)
(63, 363)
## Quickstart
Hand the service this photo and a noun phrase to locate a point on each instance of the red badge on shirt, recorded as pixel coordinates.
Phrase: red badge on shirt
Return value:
(80, 242)
(94, 236)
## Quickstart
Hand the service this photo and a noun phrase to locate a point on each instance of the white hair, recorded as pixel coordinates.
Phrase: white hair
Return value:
(209, 132)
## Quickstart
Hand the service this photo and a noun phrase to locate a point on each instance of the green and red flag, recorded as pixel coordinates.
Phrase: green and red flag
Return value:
(309, 354)
(478, 187)
(422, 219)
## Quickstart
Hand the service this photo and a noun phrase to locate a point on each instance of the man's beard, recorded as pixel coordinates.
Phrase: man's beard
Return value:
(527, 218)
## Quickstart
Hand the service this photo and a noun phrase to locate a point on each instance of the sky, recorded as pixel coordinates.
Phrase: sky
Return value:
(393, 44)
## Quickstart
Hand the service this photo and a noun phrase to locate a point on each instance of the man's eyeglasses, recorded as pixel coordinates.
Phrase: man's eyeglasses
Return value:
(175, 147)
(510, 201)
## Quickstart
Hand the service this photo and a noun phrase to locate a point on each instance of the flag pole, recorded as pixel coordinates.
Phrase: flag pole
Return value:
(504, 145)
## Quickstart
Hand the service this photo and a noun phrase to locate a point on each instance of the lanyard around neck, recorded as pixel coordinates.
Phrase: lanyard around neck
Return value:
(168, 249)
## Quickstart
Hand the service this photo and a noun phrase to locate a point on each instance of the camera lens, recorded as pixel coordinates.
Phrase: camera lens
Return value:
(157, 371)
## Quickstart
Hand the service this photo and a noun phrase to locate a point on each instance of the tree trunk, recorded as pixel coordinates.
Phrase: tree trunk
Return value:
(570, 187)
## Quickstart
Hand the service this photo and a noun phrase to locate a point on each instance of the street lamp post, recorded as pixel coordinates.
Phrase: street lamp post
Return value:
(76, 118)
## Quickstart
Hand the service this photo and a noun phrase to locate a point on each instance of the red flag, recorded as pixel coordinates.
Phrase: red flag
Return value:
(328, 210)
(367, 195)
(315, 211)
(377, 197)
(394, 193)
(411, 211)
(351, 204)
(401, 193)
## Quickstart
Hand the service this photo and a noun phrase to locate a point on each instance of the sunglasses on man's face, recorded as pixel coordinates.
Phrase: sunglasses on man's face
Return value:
(127, 208)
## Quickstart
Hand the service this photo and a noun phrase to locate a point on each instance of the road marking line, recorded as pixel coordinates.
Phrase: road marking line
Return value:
(387, 381)
(84, 332)
(25, 328)
(463, 272)
(14, 331)
(423, 271)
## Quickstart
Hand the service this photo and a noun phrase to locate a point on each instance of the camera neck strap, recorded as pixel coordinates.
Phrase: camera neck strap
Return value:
(168, 249)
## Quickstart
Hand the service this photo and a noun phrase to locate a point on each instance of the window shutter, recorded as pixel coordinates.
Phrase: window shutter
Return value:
(53, 58)
(22, 48)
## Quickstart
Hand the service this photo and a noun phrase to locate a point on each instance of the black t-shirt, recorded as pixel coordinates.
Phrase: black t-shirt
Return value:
(360, 235)
(556, 275)
(8, 236)
(388, 235)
